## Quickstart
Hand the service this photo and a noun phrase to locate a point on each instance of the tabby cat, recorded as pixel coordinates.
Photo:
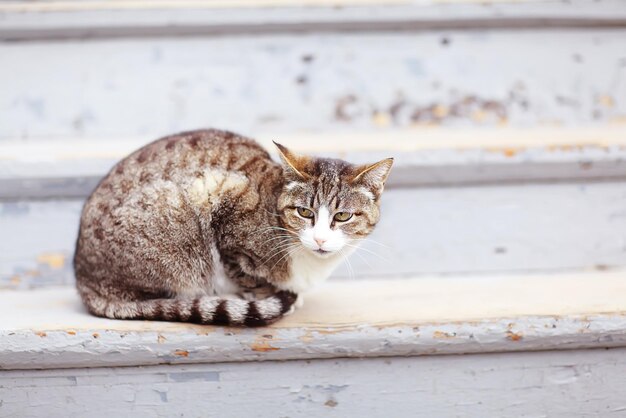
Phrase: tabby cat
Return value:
(205, 227)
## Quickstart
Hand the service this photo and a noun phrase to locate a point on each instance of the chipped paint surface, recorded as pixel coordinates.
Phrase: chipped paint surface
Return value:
(404, 318)
(263, 346)
(327, 82)
(458, 230)
(263, 341)
(52, 260)
(508, 385)
(433, 83)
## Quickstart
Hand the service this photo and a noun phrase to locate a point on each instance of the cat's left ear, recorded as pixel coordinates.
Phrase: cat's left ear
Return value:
(294, 164)
(373, 176)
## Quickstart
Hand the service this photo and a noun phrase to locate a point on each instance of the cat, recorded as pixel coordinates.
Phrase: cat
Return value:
(205, 227)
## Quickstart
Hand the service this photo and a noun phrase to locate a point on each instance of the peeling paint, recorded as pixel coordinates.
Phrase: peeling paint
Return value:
(513, 336)
(381, 119)
(470, 106)
(538, 384)
(443, 335)
(52, 260)
(344, 108)
(162, 395)
(606, 100)
(506, 151)
(262, 346)
(307, 337)
(464, 327)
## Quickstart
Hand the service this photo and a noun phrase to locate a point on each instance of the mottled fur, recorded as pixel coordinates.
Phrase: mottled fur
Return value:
(182, 228)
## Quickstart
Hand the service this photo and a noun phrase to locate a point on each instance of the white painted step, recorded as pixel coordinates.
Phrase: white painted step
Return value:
(423, 231)
(49, 328)
(318, 81)
(533, 346)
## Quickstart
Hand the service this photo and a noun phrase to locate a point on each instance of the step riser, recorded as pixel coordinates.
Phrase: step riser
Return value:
(505, 385)
(423, 231)
(313, 82)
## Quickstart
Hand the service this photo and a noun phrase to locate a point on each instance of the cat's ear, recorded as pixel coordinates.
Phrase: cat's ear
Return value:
(293, 163)
(373, 176)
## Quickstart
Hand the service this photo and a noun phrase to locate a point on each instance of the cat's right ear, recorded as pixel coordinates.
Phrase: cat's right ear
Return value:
(294, 164)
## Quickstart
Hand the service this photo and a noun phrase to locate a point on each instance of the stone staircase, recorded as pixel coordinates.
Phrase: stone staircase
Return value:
(497, 271)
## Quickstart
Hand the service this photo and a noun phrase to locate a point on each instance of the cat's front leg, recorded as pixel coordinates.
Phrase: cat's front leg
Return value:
(299, 303)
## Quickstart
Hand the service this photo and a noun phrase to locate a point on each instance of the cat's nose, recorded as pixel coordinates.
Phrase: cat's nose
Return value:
(320, 241)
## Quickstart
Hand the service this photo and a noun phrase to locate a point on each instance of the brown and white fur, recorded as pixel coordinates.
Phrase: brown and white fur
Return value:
(205, 227)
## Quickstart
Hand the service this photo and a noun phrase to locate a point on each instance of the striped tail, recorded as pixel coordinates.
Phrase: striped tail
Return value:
(208, 310)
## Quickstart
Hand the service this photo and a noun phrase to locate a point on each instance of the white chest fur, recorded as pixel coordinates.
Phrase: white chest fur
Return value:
(307, 270)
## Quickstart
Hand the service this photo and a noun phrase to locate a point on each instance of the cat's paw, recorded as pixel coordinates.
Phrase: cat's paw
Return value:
(299, 303)
(291, 310)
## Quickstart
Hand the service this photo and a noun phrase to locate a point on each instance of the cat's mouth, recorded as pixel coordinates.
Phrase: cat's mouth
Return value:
(323, 253)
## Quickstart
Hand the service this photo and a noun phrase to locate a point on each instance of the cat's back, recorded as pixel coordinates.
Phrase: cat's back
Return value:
(199, 168)
(188, 154)
(179, 159)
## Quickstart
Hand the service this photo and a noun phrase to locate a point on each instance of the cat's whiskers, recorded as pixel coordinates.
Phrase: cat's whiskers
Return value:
(363, 258)
(285, 237)
(348, 264)
(372, 241)
(270, 229)
(276, 227)
(282, 249)
(289, 254)
(278, 250)
(357, 248)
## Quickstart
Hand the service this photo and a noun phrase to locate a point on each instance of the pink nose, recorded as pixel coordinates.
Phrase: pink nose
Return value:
(320, 241)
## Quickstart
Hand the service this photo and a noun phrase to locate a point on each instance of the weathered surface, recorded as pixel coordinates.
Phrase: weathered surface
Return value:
(369, 319)
(423, 157)
(520, 228)
(313, 82)
(53, 19)
(564, 384)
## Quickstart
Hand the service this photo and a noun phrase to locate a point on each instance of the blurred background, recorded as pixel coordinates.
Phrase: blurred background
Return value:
(507, 119)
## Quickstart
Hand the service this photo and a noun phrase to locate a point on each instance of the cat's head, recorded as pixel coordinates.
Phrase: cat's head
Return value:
(330, 204)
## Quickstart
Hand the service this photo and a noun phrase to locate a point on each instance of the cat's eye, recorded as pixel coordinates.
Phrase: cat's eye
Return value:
(305, 213)
(342, 216)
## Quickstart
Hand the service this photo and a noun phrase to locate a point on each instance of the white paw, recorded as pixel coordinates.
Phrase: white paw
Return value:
(299, 303)
(291, 310)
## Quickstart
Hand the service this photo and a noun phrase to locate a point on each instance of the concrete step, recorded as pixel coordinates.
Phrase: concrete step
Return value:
(473, 201)
(128, 71)
(374, 318)
(423, 231)
(352, 349)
